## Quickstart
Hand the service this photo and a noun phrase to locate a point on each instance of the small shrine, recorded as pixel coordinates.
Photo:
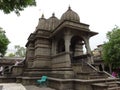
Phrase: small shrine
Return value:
(56, 43)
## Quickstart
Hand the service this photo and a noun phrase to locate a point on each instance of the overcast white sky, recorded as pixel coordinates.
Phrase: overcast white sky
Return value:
(101, 15)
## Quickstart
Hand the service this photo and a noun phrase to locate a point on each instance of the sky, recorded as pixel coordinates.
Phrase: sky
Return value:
(101, 15)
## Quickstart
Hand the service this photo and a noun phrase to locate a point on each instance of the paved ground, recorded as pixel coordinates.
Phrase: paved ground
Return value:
(12, 86)
(33, 87)
(18, 86)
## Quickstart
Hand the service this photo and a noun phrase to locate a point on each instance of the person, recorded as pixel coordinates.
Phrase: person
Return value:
(114, 74)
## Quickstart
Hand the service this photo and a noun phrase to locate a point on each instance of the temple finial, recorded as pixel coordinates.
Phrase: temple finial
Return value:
(53, 14)
(69, 8)
(42, 16)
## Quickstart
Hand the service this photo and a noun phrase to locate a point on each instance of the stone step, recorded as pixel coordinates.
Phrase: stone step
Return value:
(114, 88)
(96, 77)
(113, 85)
(37, 69)
(34, 73)
(7, 79)
(86, 75)
(113, 82)
(109, 85)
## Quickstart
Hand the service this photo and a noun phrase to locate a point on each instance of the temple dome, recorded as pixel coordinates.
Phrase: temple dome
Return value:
(53, 22)
(70, 15)
(42, 23)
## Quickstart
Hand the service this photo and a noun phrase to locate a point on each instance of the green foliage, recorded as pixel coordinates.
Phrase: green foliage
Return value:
(20, 52)
(11, 55)
(3, 42)
(111, 49)
(15, 5)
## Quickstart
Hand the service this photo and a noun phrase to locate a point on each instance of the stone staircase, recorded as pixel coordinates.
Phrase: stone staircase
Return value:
(97, 75)
(108, 85)
(113, 85)
(91, 75)
(87, 71)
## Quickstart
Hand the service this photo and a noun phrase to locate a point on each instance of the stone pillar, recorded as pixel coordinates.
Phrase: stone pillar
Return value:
(67, 70)
(55, 48)
(53, 45)
(87, 45)
(79, 48)
(67, 38)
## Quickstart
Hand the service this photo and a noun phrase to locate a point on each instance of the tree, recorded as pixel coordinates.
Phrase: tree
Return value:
(111, 49)
(20, 52)
(4, 41)
(15, 5)
(11, 55)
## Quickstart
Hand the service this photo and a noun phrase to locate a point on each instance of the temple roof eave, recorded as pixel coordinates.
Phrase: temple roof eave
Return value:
(30, 38)
(76, 26)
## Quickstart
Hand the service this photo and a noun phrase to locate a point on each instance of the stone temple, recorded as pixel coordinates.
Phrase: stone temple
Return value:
(56, 44)
(59, 49)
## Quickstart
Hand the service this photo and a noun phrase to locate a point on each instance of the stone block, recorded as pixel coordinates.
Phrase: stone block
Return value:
(17, 70)
(41, 64)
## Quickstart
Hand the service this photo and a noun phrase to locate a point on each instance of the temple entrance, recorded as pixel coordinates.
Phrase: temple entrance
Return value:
(78, 55)
(76, 47)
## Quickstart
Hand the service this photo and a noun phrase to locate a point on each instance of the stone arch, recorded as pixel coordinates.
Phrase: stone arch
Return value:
(76, 46)
(60, 45)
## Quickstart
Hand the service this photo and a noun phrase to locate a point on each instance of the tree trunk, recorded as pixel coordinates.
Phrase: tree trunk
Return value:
(110, 68)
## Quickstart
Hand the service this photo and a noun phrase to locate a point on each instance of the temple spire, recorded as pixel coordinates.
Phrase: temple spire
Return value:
(53, 14)
(69, 8)
(42, 16)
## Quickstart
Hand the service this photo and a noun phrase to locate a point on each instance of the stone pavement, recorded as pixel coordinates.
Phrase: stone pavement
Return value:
(12, 86)
(33, 87)
(18, 86)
